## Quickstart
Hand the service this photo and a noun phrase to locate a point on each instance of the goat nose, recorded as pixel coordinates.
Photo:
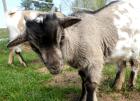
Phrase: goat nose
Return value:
(46, 62)
(54, 67)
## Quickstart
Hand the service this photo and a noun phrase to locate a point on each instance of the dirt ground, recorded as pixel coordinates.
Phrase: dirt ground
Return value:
(72, 78)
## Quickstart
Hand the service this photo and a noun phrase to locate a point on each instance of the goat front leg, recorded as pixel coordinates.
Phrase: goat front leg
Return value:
(11, 56)
(91, 88)
(92, 81)
(133, 75)
(120, 75)
(84, 92)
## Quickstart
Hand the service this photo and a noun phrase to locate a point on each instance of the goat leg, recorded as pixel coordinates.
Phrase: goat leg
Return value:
(21, 59)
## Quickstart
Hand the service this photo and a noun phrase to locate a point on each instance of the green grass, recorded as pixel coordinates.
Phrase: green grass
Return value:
(3, 33)
(18, 83)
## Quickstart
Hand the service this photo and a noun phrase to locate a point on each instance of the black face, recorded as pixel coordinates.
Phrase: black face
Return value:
(45, 38)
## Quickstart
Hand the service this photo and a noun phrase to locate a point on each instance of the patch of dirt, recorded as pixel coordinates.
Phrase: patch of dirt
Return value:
(43, 70)
(71, 78)
(72, 97)
(135, 96)
(114, 96)
(66, 79)
(35, 61)
(111, 97)
(119, 96)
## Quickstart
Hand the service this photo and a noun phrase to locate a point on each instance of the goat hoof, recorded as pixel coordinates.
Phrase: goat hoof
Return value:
(24, 64)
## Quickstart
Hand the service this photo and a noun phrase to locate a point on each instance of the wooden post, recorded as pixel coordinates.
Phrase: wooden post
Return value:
(4, 5)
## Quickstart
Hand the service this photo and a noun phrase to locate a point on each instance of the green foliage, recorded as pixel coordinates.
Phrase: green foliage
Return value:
(89, 4)
(28, 5)
(98, 4)
(3, 33)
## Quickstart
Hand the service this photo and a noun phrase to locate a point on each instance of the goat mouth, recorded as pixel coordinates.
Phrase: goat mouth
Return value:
(54, 70)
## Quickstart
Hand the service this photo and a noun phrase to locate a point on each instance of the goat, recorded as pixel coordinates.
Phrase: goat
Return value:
(16, 24)
(85, 40)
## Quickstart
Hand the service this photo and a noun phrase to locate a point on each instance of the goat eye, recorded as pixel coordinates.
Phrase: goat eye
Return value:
(62, 40)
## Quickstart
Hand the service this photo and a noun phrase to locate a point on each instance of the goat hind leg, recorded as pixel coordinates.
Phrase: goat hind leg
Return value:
(21, 59)
(11, 56)
(133, 75)
(120, 76)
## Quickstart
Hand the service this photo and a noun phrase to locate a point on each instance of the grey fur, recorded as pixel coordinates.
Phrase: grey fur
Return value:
(86, 46)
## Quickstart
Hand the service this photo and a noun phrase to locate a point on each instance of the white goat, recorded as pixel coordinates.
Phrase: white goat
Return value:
(16, 25)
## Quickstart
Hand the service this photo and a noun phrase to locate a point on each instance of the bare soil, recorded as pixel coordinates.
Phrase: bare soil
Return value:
(68, 78)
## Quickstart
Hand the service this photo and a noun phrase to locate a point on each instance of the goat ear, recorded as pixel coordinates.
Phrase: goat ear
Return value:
(20, 39)
(69, 21)
(26, 18)
(28, 21)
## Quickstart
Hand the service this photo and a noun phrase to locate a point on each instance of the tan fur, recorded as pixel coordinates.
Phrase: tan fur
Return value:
(21, 21)
(11, 56)
(120, 77)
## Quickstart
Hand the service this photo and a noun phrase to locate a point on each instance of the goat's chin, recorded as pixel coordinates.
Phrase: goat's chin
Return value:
(55, 72)
(55, 69)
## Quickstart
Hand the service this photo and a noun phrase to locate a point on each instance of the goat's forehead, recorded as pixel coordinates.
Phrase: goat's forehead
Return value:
(39, 19)
(49, 17)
